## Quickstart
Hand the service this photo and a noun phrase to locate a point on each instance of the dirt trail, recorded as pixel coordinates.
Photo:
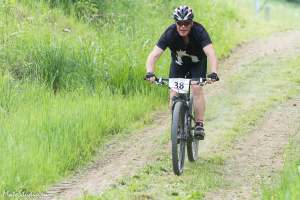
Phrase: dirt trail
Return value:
(278, 45)
(258, 155)
(123, 158)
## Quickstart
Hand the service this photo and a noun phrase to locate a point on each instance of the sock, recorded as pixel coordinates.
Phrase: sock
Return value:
(200, 122)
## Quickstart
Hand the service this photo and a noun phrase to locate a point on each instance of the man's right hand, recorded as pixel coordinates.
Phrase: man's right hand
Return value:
(150, 76)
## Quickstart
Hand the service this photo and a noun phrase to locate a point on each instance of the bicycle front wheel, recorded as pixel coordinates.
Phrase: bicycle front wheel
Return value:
(178, 138)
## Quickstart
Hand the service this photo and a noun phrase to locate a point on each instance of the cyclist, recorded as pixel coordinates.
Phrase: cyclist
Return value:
(190, 45)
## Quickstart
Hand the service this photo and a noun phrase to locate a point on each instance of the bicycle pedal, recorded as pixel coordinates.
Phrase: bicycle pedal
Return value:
(199, 137)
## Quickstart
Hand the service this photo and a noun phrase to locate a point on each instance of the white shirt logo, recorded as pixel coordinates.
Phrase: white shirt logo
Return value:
(181, 54)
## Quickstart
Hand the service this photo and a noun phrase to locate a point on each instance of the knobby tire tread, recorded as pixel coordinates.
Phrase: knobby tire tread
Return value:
(177, 120)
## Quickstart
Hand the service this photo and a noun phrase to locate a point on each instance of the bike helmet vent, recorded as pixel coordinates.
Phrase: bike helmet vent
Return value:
(183, 13)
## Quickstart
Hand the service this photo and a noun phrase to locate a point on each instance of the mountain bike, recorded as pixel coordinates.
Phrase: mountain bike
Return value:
(183, 120)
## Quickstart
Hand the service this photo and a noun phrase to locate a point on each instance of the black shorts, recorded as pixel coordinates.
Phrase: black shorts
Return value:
(195, 70)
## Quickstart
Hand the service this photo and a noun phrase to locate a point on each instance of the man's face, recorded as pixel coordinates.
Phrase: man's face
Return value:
(184, 27)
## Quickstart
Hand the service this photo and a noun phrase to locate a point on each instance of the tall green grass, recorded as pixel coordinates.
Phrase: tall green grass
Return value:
(35, 45)
(66, 83)
(43, 137)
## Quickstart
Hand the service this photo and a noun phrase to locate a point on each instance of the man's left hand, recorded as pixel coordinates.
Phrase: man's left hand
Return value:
(213, 76)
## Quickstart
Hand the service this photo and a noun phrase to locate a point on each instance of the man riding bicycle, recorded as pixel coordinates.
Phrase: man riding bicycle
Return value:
(190, 46)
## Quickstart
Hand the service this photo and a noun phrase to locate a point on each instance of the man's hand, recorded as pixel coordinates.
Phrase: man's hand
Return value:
(150, 76)
(214, 76)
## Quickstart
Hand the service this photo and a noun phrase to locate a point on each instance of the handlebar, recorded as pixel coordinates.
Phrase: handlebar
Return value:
(181, 85)
(196, 81)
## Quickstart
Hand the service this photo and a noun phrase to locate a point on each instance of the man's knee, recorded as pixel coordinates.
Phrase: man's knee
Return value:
(197, 90)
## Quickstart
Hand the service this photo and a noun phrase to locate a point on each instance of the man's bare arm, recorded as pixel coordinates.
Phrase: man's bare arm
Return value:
(152, 58)
(212, 58)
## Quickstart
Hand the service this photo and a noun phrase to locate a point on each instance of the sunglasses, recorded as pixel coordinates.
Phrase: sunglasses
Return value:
(184, 23)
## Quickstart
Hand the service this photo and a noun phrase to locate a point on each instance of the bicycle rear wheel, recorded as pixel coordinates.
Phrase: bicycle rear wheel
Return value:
(192, 142)
(178, 138)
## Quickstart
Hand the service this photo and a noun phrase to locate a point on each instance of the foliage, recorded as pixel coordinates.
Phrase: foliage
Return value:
(294, 1)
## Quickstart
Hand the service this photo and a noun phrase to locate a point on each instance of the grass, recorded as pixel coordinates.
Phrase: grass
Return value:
(67, 84)
(156, 181)
(244, 105)
(288, 184)
(144, 185)
(37, 135)
(85, 57)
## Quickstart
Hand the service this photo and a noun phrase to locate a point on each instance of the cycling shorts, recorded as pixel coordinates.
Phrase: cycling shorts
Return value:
(195, 70)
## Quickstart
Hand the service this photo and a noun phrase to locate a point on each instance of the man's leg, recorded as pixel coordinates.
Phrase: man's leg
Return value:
(199, 107)
(199, 102)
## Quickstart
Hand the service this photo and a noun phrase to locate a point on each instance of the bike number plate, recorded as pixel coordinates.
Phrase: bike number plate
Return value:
(179, 85)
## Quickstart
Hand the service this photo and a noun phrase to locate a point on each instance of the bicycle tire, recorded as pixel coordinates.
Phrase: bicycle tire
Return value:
(177, 137)
(192, 142)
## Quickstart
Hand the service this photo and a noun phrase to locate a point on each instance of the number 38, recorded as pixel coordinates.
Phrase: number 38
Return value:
(179, 85)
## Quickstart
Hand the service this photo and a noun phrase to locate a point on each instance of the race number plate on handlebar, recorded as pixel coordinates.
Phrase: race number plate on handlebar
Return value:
(179, 85)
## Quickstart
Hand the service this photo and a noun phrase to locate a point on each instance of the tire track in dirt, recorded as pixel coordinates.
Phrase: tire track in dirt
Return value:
(125, 157)
(259, 155)
(120, 158)
(279, 45)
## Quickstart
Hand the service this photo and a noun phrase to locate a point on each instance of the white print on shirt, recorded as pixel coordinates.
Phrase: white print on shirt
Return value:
(181, 54)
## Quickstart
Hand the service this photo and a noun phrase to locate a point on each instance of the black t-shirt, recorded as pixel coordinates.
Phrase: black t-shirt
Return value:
(181, 53)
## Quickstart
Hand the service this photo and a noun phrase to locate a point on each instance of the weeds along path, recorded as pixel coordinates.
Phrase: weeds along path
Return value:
(257, 156)
(125, 157)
